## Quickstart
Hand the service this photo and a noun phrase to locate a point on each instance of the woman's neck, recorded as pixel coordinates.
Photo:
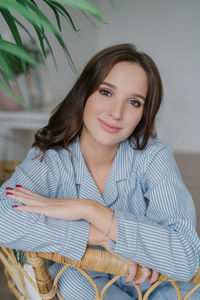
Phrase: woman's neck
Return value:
(97, 155)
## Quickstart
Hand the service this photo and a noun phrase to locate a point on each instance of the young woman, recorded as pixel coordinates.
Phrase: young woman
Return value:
(98, 175)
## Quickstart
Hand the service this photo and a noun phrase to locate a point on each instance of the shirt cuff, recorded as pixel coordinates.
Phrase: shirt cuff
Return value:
(77, 239)
(125, 244)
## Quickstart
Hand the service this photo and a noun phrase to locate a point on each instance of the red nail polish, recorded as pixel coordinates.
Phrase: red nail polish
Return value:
(9, 193)
(18, 186)
(152, 283)
(8, 189)
(15, 206)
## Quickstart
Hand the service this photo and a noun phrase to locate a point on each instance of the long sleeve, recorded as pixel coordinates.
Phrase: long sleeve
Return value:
(164, 238)
(34, 232)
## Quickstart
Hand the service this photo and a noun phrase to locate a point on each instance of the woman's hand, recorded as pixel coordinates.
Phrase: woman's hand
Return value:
(146, 273)
(65, 209)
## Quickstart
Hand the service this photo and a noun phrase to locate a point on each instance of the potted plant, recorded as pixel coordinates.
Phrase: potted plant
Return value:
(30, 11)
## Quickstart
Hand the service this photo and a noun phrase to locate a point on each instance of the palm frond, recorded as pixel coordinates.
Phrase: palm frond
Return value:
(11, 48)
(15, 33)
(29, 10)
(82, 4)
(61, 9)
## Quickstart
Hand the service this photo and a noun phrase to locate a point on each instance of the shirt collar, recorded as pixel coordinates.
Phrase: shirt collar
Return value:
(122, 161)
(78, 161)
(120, 168)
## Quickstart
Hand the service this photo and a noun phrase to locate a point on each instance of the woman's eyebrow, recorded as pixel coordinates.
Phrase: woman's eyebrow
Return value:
(133, 95)
(109, 84)
(139, 96)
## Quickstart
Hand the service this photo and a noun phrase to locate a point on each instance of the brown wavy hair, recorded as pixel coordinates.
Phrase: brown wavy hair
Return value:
(67, 118)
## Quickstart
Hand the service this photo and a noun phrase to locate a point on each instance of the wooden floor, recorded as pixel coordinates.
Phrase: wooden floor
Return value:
(189, 165)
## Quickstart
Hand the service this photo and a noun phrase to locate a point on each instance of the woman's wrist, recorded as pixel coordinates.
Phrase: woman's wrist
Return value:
(96, 237)
(102, 217)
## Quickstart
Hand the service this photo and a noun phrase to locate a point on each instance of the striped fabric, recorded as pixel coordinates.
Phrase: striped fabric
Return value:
(155, 216)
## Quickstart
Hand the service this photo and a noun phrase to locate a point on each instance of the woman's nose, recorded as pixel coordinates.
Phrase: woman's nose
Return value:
(116, 110)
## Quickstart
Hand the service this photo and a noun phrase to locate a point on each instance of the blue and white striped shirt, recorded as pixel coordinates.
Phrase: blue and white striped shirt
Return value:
(154, 210)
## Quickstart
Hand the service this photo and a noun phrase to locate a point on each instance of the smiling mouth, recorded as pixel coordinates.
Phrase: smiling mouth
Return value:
(108, 127)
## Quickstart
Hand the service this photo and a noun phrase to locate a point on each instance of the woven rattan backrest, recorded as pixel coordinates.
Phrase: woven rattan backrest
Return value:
(7, 167)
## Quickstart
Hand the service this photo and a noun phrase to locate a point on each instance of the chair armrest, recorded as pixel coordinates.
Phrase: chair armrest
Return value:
(104, 261)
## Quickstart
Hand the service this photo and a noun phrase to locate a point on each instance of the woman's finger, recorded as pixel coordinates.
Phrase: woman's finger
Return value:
(146, 272)
(29, 193)
(24, 199)
(30, 209)
(52, 211)
(132, 272)
(154, 277)
(20, 190)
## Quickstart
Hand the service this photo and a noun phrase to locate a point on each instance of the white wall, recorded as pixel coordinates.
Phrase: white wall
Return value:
(169, 31)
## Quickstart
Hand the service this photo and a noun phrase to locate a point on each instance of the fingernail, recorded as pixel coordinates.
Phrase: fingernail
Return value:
(9, 193)
(136, 283)
(152, 283)
(8, 189)
(18, 186)
(15, 206)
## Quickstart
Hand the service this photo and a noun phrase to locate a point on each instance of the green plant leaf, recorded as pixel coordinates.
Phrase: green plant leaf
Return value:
(3, 76)
(43, 36)
(15, 50)
(15, 33)
(51, 5)
(81, 4)
(35, 44)
(51, 51)
(45, 22)
(20, 256)
(41, 39)
(5, 66)
(30, 36)
(65, 14)
(39, 30)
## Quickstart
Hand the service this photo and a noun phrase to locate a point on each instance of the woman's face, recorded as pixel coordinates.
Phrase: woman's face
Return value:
(114, 110)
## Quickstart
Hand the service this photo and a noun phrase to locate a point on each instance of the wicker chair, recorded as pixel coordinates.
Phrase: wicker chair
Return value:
(93, 260)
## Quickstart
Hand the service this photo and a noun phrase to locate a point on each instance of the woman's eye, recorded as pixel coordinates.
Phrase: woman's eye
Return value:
(135, 103)
(105, 92)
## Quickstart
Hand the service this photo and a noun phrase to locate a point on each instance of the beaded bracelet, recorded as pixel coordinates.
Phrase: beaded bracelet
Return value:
(110, 225)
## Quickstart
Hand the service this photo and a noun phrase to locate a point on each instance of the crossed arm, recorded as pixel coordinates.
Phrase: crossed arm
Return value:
(98, 215)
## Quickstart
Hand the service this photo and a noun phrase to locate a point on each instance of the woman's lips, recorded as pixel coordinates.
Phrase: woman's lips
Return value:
(109, 127)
